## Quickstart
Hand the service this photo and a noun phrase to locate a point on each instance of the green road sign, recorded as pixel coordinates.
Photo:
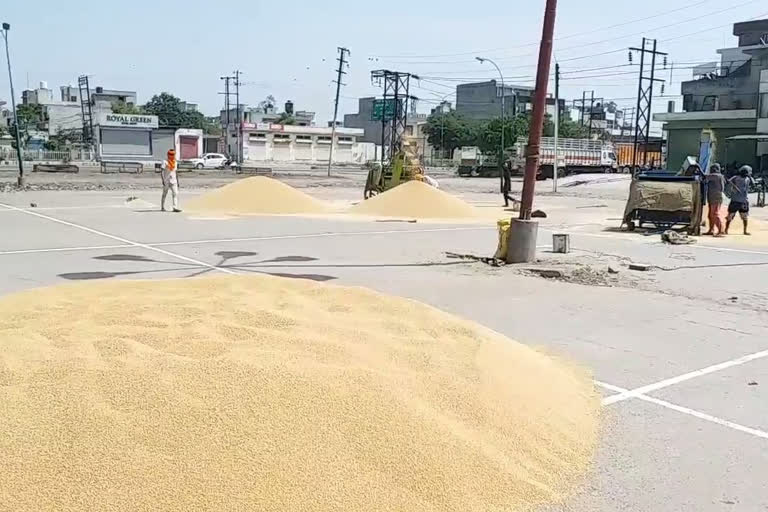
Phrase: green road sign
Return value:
(381, 113)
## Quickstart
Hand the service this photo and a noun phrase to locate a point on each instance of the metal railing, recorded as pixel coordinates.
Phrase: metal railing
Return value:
(41, 155)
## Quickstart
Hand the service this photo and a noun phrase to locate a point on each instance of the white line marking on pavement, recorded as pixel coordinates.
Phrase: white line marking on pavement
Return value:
(705, 416)
(685, 410)
(244, 239)
(94, 207)
(122, 240)
(66, 249)
(318, 235)
(682, 378)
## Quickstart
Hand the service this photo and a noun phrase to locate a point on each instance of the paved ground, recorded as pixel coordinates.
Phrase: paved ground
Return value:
(680, 355)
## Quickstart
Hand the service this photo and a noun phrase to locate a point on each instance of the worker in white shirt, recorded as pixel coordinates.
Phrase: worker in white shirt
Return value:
(170, 182)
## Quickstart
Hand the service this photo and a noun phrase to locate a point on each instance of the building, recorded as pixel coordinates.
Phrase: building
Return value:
(726, 105)
(606, 119)
(363, 120)
(269, 142)
(64, 112)
(481, 101)
(138, 138)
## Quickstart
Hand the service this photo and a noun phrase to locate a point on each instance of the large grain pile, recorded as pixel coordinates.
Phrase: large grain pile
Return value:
(262, 393)
(256, 195)
(416, 200)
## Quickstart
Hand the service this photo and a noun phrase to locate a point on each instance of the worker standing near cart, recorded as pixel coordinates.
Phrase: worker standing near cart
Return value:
(170, 181)
(715, 189)
(739, 198)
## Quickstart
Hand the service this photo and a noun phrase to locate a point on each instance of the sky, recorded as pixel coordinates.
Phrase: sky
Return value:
(289, 49)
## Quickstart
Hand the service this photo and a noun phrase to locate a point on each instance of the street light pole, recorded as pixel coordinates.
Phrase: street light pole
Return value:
(503, 115)
(6, 28)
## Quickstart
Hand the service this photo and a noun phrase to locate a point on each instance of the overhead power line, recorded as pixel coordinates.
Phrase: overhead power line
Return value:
(524, 45)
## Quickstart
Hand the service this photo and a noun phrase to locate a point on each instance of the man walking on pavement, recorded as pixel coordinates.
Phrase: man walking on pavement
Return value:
(170, 166)
(506, 183)
(739, 198)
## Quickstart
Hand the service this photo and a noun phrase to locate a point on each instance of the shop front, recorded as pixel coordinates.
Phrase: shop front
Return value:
(125, 137)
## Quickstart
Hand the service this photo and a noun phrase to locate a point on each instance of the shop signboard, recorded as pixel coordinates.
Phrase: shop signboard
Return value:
(128, 120)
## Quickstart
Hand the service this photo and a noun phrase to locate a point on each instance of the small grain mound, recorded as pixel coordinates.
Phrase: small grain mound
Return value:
(256, 195)
(262, 393)
(416, 200)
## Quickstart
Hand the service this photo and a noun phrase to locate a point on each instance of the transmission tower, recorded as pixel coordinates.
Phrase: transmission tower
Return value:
(396, 86)
(85, 109)
(645, 97)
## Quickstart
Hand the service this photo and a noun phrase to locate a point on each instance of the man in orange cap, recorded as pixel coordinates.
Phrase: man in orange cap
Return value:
(169, 181)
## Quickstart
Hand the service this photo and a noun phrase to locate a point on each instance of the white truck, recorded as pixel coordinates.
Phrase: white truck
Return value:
(574, 156)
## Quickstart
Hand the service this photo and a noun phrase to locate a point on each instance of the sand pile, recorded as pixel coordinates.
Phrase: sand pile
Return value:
(262, 393)
(416, 200)
(256, 195)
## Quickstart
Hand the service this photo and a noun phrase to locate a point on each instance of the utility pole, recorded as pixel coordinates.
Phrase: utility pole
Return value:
(20, 181)
(557, 125)
(645, 100)
(343, 52)
(503, 115)
(591, 107)
(239, 118)
(523, 232)
(583, 105)
(227, 109)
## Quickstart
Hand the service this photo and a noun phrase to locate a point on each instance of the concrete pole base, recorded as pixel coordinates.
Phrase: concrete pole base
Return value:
(21, 181)
(521, 241)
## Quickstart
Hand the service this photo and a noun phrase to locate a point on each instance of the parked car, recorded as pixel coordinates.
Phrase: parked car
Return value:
(209, 161)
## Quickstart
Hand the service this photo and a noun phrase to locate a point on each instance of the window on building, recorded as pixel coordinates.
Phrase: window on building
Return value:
(323, 138)
(303, 138)
(764, 105)
(688, 102)
(345, 139)
(258, 136)
(282, 137)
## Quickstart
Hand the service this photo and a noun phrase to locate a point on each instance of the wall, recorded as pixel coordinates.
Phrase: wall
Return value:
(364, 121)
(264, 147)
(64, 117)
(684, 136)
(480, 101)
(734, 92)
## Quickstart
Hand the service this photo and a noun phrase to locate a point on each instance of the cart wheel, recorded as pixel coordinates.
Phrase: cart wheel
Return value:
(640, 224)
(631, 225)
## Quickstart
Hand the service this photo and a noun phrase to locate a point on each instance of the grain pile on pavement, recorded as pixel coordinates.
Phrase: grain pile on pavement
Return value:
(264, 393)
(256, 195)
(416, 200)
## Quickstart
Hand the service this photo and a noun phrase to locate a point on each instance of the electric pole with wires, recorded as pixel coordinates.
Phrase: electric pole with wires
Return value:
(239, 118)
(343, 52)
(645, 98)
(227, 111)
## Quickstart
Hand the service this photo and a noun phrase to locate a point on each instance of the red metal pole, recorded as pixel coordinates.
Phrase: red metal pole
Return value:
(539, 109)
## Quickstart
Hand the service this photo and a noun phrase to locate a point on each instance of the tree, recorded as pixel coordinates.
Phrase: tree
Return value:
(30, 115)
(449, 130)
(286, 118)
(572, 130)
(171, 112)
(267, 104)
(121, 107)
(489, 139)
(64, 139)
